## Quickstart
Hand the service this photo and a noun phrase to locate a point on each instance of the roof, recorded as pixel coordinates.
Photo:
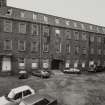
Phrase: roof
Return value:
(21, 88)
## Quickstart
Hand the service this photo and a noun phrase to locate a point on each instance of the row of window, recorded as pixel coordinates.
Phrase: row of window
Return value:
(35, 31)
(24, 14)
(35, 47)
(34, 63)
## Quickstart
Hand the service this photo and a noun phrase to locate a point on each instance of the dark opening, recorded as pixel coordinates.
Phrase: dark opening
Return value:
(56, 64)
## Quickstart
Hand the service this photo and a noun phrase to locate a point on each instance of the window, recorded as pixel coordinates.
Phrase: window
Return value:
(104, 40)
(91, 27)
(57, 21)
(9, 12)
(68, 34)
(84, 51)
(92, 50)
(57, 32)
(21, 45)
(34, 16)
(99, 39)
(35, 46)
(76, 50)
(45, 47)
(82, 26)
(68, 48)
(34, 29)
(21, 63)
(75, 24)
(18, 96)
(58, 47)
(99, 51)
(45, 19)
(92, 38)
(22, 14)
(76, 35)
(34, 63)
(46, 63)
(45, 30)
(26, 93)
(22, 28)
(67, 23)
(7, 26)
(84, 36)
(67, 65)
(8, 45)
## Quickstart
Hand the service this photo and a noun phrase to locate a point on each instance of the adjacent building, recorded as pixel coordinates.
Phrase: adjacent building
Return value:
(31, 40)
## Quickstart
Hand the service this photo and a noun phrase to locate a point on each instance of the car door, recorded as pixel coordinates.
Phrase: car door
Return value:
(26, 93)
(18, 97)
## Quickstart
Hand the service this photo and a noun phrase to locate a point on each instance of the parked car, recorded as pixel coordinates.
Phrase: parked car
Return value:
(38, 100)
(41, 73)
(72, 70)
(15, 96)
(92, 68)
(99, 68)
(23, 74)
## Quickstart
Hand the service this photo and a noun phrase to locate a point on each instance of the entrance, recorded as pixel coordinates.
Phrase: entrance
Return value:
(6, 64)
(56, 64)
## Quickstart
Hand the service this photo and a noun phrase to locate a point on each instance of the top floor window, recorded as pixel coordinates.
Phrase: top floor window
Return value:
(76, 35)
(82, 26)
(91, 27)
(67, 23)
(75, 24)
(34, 29)
(34, 16)
(45, 19)
(22, 28)
(7, 26)
(9, 12)
(22, 14)
(57, 21)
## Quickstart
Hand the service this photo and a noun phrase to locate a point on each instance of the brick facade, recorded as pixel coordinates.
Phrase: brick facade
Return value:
(50, 42)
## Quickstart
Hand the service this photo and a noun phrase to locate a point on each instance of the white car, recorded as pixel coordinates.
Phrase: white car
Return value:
(16, 95)
(72, 70)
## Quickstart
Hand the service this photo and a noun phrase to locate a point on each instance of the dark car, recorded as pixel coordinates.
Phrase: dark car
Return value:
(41, 73)
(38, 100)
(99, 68)
(23, 74)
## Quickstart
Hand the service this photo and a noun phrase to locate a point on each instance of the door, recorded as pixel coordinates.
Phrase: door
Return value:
(6, 64)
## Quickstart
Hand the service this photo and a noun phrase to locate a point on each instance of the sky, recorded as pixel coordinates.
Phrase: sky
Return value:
(90, 11)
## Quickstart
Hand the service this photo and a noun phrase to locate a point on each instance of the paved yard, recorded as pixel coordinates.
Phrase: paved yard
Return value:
(69, 89)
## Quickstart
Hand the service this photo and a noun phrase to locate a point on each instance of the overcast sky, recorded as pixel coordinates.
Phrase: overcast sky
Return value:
(91, 11)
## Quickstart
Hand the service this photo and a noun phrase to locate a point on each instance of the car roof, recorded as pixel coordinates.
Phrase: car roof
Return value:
(21, 88)
(32, 99)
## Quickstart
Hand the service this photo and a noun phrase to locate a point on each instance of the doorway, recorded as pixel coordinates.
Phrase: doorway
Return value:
(6, 64)
(56, 64)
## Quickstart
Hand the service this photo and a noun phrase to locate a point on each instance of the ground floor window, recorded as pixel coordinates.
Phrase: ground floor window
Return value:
(34, 63)
(21, 63)
(46, 63)
(83, 64)
(67, 65)
(76, 64)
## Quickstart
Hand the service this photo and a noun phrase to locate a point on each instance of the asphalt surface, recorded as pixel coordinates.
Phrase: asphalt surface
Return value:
(69, 89)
